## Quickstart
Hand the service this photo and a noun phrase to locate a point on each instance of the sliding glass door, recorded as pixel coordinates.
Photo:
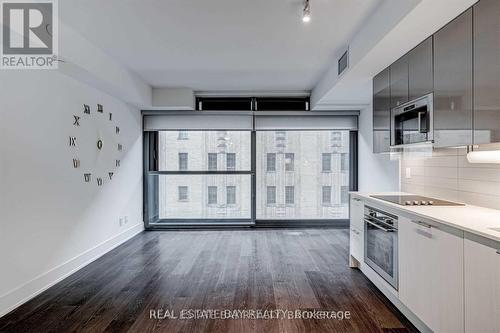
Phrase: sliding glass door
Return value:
(221, 169)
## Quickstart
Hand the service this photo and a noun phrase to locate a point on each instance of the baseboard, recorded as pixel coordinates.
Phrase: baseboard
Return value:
(23, 293)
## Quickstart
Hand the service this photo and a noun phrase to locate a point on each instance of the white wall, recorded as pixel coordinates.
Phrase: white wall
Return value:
(448, 175)
(377, 173)
(51, 222)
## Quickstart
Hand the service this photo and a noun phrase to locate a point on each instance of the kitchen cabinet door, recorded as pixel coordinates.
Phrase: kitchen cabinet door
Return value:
(487, 71)
(357, 230)
(420, 77)
(482, 287)
(431, 274)
(399, 82)
(453, 83)
(381, 112)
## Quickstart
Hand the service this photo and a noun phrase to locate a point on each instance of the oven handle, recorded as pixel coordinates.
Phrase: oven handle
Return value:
(379, 227)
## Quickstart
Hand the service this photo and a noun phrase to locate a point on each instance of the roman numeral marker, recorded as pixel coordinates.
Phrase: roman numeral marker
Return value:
(117, 163)
(99, 181)
(87, 177)
(110, 116)
(76, 163)
(72, 141)
(86, 109)
(117, 130)
(76, 120)
(100, 108)
(120, 147)
(110, 175)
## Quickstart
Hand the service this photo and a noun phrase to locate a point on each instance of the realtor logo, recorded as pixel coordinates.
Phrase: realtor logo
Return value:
(29, 34)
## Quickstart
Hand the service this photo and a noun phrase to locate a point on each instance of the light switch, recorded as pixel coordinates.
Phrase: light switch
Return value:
(408, 173)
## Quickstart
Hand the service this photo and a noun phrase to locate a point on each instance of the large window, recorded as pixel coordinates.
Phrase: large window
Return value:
(268, 169)
(310, 178)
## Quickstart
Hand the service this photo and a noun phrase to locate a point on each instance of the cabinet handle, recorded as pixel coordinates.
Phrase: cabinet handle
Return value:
(423, 224)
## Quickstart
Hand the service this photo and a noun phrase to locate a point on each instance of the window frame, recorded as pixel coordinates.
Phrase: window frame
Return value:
(186, 161)
(292, 163)
(150, 188)
(233, 167)
(233, 194)
(273, 169)
(323, 160)
(211, 194)
(287, 201)
(268, 202)
(179, 193)
(210, 160)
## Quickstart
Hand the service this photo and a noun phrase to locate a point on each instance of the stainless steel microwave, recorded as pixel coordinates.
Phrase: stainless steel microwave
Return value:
(413, 122)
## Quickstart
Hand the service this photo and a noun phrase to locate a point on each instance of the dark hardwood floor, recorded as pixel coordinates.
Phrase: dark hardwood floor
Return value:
(300, 269)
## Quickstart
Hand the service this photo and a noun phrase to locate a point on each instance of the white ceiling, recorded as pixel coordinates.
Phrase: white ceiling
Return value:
(225, 45)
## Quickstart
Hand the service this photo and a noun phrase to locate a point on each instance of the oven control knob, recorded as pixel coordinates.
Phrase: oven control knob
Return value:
(423, 202)
(431, 202)
(416, 203)
(408, 203)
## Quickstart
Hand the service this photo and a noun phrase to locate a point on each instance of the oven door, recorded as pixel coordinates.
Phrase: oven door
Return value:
(381, 250)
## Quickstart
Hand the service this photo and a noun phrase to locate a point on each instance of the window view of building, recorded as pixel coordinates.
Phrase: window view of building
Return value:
(271, 195)
(231, 195)
(183, 193)
(200, 196)
(302, 175)
(212, 195)
(231, 161)
(299, 175)
(183, 161)
(212, 161)
(271, 162)
(182, 135)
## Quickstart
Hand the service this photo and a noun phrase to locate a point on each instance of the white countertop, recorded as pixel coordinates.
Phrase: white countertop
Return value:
(473, 219)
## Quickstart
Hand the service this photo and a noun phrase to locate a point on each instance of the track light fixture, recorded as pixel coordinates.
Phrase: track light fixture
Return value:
(306, 16)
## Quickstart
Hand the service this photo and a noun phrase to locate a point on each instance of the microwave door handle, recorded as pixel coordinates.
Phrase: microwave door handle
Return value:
(420, 122)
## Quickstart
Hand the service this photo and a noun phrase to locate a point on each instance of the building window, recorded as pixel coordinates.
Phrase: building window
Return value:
(212, 195)
(183, 193)
(212, 161)
(183, 161)
(344, 162)
(271, 195)
(326, 162)
(326, 197)
(271, 162)
(231, 161)
(344, 195)
(289, 195)
(289, 161)
(231, 195)
(182, 135)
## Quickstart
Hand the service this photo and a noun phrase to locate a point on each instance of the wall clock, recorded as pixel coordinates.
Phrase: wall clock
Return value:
(95, 145)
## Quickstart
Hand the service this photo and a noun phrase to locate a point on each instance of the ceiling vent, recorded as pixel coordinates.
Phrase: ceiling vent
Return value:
(343, 62)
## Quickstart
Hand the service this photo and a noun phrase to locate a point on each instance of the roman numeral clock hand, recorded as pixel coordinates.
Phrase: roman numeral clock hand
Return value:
(107, 145)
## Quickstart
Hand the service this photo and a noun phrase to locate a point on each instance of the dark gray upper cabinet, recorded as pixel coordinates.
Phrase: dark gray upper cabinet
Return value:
(487, 71)
(399, 82)
(420, 78)
(381, 112)
(453, 83)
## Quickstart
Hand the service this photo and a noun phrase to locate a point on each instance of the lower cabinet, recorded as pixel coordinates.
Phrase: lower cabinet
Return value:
(482, 287)
(357, 230)
(431, 279)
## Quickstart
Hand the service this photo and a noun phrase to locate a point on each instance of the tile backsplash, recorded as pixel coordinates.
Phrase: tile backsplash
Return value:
(448, 175)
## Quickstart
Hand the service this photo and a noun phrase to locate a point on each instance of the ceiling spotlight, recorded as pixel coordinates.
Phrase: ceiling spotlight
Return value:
(306, 16)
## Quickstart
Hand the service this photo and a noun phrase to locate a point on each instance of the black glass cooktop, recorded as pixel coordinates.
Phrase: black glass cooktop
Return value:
(415, 200)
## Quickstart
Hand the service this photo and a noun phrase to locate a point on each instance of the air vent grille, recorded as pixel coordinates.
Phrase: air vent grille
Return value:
(343, 62)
